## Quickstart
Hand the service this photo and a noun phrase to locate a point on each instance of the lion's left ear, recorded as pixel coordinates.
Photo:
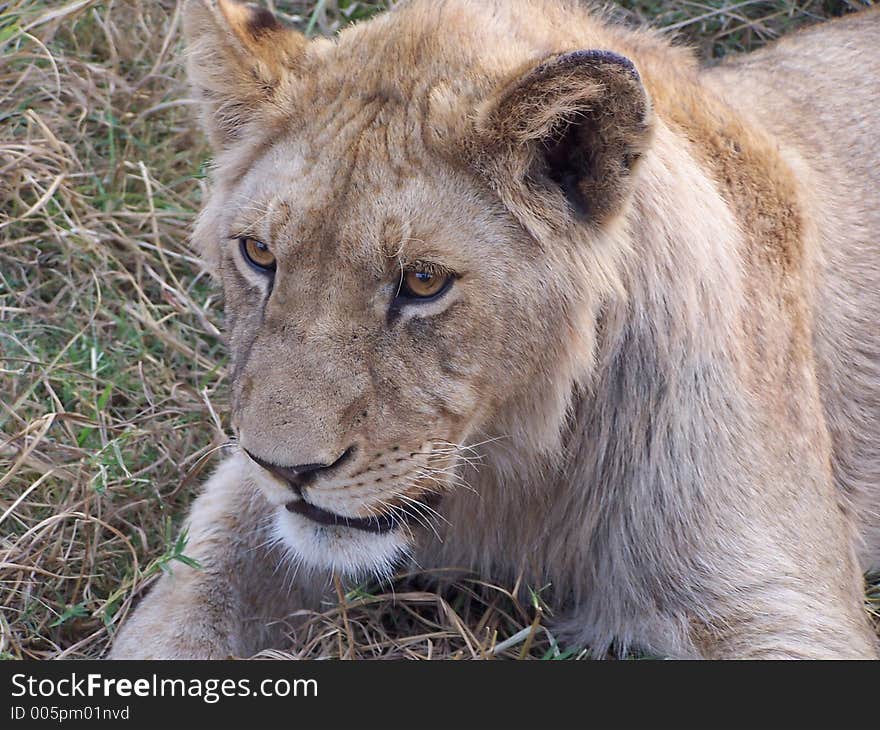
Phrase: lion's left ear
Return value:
(569, 131)
(238, 58)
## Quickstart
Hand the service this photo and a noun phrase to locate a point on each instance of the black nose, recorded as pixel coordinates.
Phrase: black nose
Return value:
(300, 475)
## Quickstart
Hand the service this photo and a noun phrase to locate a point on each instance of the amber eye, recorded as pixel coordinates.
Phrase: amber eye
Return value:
(419, 284)
(257, 254)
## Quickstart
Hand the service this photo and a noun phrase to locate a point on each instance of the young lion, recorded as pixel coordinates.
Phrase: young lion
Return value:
(644, 292)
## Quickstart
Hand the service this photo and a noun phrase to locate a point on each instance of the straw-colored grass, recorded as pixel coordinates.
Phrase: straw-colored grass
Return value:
(113, 393)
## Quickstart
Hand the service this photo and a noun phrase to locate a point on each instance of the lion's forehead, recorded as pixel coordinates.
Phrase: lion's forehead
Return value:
(366, 197)
(466, 44)
(350, 158)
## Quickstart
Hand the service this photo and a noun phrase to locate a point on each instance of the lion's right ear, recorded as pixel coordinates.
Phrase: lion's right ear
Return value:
(238, 59)
(567, 133)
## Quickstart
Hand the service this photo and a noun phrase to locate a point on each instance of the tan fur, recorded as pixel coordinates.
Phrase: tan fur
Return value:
(662, 343)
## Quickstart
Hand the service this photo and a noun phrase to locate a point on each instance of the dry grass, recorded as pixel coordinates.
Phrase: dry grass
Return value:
(112, 384)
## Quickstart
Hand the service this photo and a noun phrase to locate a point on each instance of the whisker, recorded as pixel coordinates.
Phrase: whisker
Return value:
(400, 514)
(426, 507)
(398, 509)
(449, 479)
(228, 444)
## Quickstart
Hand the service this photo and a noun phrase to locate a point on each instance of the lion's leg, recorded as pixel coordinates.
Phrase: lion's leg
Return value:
(235, 603)
(770, 619)
(784, 623)
(771, 616)
(776, 604)
(740, 594)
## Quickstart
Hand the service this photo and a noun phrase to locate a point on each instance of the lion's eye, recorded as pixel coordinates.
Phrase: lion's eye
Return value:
(257, 254)
(419, 284)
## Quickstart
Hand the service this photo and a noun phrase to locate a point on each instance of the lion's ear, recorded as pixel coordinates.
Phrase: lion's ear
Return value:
(238, 58)
(571, 129)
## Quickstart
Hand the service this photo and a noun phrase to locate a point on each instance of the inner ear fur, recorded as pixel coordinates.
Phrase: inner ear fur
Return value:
(576, 124)
(238, 57)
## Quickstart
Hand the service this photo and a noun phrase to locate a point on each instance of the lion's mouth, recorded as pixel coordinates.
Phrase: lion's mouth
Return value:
(378, 524)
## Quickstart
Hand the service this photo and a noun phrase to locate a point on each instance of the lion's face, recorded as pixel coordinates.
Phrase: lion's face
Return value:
(383, 331)
(386, 306)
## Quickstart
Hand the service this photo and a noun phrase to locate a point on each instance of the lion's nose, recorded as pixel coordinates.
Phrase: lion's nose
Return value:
(300, 475)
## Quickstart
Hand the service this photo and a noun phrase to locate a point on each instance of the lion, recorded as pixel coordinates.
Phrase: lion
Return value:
(512, 287)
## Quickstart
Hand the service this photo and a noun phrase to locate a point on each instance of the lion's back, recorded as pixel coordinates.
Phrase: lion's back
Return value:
(818, 91)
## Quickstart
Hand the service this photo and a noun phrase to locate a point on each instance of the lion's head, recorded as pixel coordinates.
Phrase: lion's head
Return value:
(415, 231)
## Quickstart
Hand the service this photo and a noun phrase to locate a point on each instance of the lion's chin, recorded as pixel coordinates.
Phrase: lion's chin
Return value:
(347, 550)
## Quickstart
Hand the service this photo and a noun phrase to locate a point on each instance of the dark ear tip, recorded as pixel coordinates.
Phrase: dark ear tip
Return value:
(262, 20)
(593, 57)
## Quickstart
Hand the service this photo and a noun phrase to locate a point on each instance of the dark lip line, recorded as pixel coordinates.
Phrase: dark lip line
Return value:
(380, 524)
